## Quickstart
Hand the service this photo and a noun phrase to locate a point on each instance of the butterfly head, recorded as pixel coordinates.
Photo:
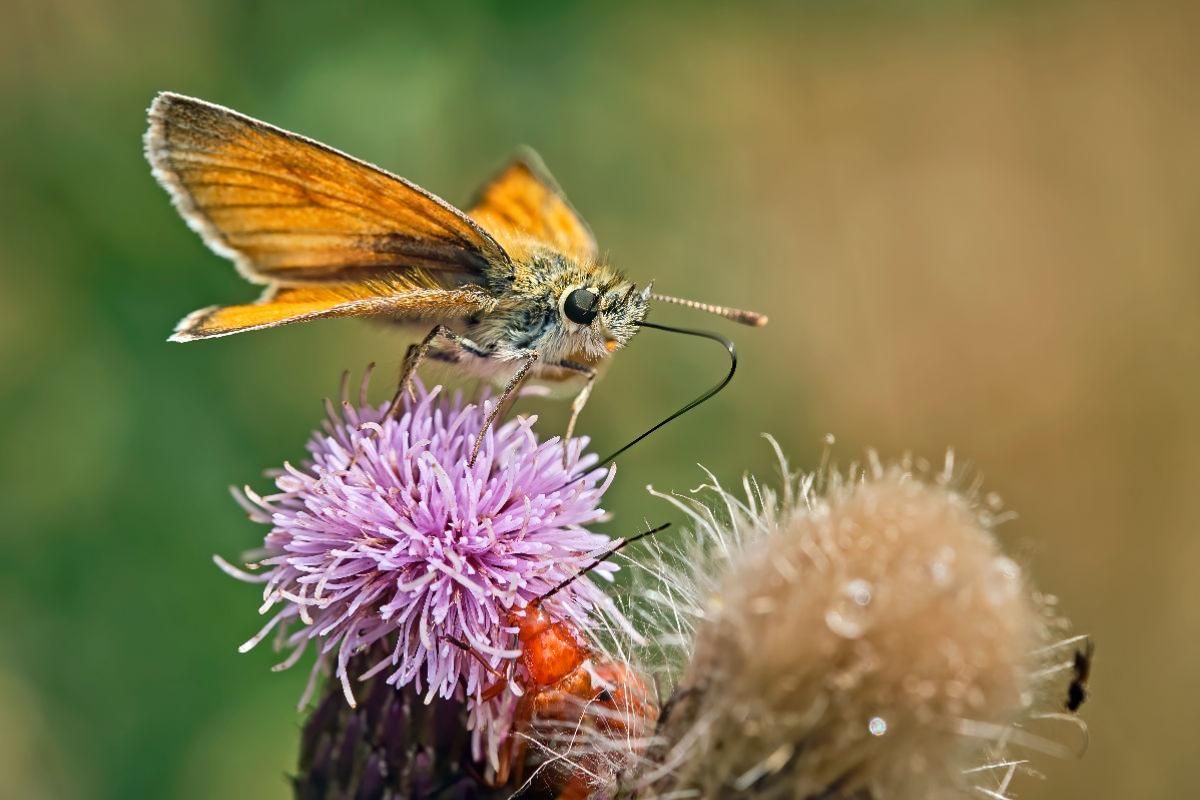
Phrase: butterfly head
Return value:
(601, 319)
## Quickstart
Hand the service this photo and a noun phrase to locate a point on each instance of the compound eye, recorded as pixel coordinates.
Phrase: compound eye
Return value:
(581, 306)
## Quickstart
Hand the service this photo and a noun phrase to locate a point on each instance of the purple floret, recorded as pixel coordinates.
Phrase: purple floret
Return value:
(386, 532)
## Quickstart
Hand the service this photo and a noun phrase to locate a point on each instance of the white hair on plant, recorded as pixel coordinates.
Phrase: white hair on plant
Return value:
(850, 634)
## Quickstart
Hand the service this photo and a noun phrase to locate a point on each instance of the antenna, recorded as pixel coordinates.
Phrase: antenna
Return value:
(752, 318)
(623, 543)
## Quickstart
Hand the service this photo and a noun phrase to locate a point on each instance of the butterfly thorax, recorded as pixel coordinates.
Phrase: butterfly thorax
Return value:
(531, 313)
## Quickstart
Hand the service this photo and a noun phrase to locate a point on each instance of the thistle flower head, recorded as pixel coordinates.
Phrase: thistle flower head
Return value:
(385, 535)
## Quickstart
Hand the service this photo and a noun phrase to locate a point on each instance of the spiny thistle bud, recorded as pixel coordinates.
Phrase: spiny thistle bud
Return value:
(857, 636)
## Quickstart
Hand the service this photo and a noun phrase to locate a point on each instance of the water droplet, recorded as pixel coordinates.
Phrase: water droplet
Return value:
(847, 617)
(877, 726)
(1004, 581)
(941, 569)
(859, 591)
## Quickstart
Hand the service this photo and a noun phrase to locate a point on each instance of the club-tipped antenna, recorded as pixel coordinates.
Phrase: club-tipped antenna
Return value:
(752, 318)
(607, 555)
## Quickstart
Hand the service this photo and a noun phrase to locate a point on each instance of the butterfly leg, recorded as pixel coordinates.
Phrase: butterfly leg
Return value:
(578, 403)
(504, 402)
(417, 353)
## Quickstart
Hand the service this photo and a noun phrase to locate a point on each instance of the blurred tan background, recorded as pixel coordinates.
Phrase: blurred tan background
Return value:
(973, 225)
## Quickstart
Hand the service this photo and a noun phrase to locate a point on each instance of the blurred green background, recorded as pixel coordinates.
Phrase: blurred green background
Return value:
(973, 224)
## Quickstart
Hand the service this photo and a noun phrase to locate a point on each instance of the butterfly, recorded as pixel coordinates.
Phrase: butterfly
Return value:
(514, 287)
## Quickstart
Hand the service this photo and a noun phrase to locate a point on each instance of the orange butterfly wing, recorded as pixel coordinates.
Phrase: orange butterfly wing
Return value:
(524, 205)
(287, 209)
(286, 304)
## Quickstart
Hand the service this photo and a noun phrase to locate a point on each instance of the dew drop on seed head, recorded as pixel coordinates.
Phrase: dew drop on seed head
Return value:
(1003, 580)
(847, 617)
(877, 726)
(941, 569)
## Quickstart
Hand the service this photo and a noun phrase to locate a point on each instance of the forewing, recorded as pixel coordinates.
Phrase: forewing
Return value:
(287, 304)
(287, 209)
(524, 202)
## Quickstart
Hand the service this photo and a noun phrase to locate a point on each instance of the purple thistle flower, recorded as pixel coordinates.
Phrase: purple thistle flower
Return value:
(386, 532)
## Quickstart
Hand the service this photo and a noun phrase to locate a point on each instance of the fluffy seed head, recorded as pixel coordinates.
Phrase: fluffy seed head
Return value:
(859, 636)
(386, 533)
